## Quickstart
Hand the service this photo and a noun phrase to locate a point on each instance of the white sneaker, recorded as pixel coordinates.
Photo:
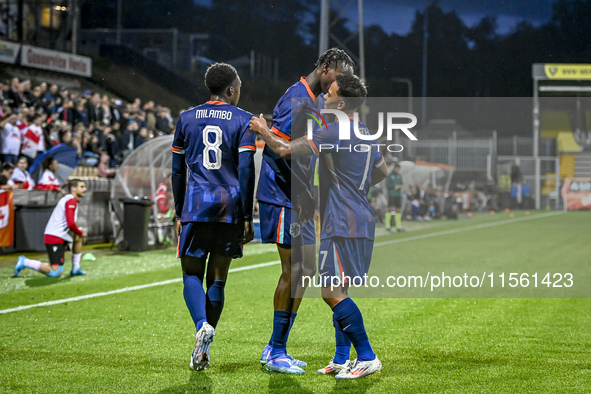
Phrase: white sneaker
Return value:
(200, 356)
(360, 369)
(332, 367)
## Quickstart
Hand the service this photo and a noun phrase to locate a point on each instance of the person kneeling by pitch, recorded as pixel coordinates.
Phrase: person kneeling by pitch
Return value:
(61, 233)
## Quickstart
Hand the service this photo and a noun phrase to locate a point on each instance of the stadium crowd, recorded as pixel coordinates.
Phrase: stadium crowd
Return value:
(102, 129)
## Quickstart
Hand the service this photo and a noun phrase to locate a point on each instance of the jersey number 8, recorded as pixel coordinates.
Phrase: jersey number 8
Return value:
(212, 147)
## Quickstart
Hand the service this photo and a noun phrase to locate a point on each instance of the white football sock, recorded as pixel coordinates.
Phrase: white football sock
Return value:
(33, 264)
(76, 260)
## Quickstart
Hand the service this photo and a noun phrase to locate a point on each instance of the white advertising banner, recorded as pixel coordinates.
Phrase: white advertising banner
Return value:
(8, 51)
(56, 61)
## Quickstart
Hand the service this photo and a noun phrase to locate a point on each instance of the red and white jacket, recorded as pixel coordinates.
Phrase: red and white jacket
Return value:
(48, 181)
(33, 141)
(62, 223)
(20, 177)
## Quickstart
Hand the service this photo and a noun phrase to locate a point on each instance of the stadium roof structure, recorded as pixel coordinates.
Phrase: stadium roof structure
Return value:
(141, 173)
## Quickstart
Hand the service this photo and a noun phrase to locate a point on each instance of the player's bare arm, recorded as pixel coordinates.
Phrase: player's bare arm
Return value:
(285, 149)
(248, 232)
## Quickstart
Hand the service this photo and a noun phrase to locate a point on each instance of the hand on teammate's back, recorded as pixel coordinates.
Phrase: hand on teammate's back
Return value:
(258, 124)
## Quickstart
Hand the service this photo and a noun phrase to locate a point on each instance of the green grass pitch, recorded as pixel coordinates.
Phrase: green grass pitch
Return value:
(141, 340)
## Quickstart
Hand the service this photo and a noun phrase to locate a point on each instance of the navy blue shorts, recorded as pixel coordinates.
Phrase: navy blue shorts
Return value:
(202, 238)
(348, 257)
(277, 227)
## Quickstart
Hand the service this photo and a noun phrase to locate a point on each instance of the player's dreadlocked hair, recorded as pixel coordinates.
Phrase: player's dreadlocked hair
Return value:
(219, 76)
(336, 58)
(352, 90)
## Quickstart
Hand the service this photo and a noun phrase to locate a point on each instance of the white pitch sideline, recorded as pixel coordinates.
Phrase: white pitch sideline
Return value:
(250, 267)
(125, 289)
(469, 228)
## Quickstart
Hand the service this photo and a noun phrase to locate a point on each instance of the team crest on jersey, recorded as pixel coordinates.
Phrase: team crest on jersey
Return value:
(295, 229)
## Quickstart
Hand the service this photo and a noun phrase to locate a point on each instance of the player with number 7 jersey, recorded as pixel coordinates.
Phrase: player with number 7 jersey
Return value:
(214, 203)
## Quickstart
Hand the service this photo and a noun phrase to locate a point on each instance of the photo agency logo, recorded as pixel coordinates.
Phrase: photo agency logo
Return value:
(402, 121)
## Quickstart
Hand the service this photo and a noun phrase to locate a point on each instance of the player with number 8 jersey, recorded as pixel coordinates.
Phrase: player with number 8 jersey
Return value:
(211, 136)
(213, 204)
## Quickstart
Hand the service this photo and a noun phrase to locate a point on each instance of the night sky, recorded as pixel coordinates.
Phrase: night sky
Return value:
(396, 16)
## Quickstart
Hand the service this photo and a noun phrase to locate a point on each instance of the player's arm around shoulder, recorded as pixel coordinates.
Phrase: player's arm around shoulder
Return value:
(284, 148)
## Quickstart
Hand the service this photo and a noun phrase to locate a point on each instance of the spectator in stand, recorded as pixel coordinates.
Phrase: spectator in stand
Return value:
(49, 180)
(23, 118)
(93, 108)
(63, 95)
(52, 99)
(24, 102)
(116, 111)
(105, 111)
(81, 115)
(37, 99)
(4, 86)
(5, 182)
(142, 137)
(74, 95)
(150, 114)
(103, 167)
(43, 87)
(11, 138)
(21, 176)
(67, 113)
(140, 118)
(136, 105)
(76, 143)
(163, 120)
(33, 138)
(92, 129)
(89, 157)
(105, 132)
(113, 151)
(92, 145)
(15, 97)
(116, 131)
(27, 93)
(128, 137)
(66, 137)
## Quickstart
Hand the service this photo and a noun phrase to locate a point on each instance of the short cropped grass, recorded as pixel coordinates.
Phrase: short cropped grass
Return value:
(141, 341)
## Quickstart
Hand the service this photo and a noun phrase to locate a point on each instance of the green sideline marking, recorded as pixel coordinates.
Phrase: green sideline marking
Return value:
(255, 266)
